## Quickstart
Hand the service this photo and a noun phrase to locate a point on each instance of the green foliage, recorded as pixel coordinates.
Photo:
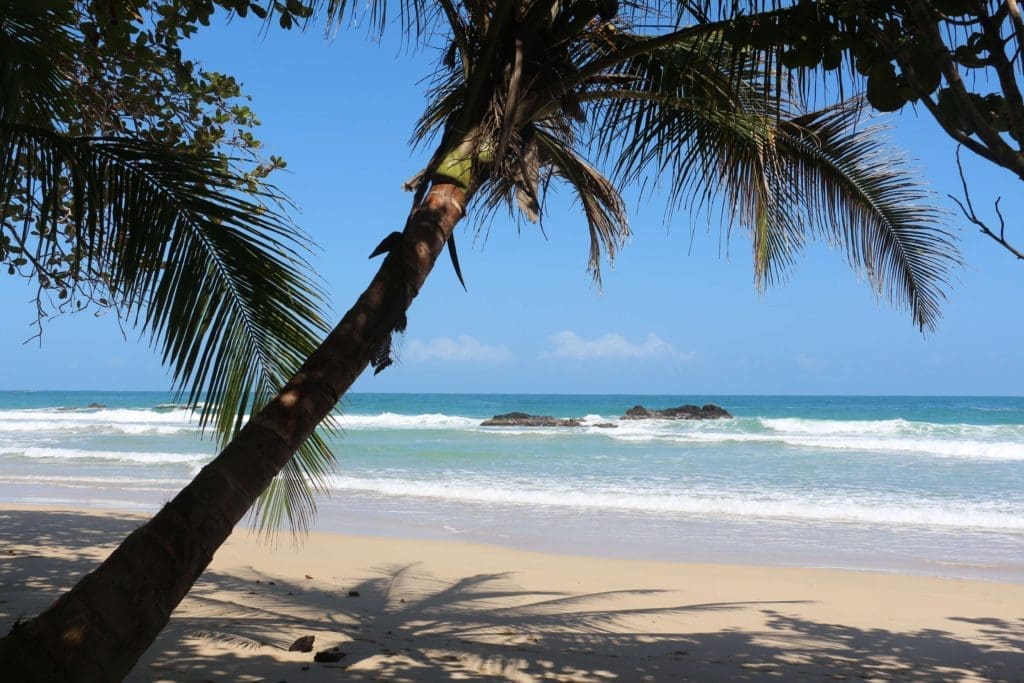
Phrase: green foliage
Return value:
(553, 93)
(131, 181)
(592, 95)
(961, 60)
(697, 116)
(882, 44)
(116, 70)
(905, 49)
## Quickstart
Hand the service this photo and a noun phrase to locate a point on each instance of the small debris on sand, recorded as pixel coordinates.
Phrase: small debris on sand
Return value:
(330, 655)
(303, 644)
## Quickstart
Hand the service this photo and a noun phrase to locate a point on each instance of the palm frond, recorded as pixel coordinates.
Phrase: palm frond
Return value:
(33, 35)
(857, 190)
(696, 111)
(696, 116)
(603, 207)
(675, 109)
(216, 280)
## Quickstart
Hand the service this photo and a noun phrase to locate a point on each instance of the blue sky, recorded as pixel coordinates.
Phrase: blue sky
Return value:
(677, 314)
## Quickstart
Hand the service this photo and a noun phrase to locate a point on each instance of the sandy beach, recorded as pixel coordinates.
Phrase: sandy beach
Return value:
(420, 610)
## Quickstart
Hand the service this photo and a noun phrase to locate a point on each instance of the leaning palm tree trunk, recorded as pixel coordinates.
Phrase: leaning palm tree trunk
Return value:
(99, 629)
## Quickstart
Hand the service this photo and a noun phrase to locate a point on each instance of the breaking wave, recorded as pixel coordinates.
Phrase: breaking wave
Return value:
(852, 508)
(140, 457)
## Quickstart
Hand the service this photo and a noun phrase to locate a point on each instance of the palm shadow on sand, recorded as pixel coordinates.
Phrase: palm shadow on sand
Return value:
(408, 625)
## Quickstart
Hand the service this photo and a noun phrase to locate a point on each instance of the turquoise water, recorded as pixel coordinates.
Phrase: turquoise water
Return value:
(922, 484)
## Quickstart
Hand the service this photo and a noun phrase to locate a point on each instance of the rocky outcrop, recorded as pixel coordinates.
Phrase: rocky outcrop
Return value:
(527, 420)
(708, 411)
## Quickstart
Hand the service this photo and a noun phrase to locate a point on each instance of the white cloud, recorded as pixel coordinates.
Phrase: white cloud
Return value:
(613, 346)
(461, 348)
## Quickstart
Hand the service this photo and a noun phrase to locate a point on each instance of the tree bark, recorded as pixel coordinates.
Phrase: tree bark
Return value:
(99, 629)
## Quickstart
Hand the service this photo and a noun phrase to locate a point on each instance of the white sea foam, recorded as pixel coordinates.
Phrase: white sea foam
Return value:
(960, 449)
(389, 420)
(982, 442)
(855, 508)
(113, 421)
(894, 427)
(967, 441)
(529, 431)
(804, 426)
(145, 458)
(102, 415)
(400, 421)
(85, 481)
(972, 442)
(963, 449)
(95, 428)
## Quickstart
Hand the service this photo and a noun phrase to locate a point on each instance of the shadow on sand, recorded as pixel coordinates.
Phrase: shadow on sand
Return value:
(407, 625)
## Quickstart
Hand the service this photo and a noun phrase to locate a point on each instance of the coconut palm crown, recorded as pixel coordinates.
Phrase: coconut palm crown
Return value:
(533, 92)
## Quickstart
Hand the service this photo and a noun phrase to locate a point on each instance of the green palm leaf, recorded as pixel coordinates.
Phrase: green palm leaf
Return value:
(865, 205)
(695, 112)
(703, 119)
(215, 279)
(602, 205)
(214, 276)
(32, 36)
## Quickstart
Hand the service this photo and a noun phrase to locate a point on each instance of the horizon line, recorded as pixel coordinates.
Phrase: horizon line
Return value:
(557, 393)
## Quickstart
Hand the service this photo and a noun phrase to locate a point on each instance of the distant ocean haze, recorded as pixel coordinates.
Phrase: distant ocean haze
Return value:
(922, 484)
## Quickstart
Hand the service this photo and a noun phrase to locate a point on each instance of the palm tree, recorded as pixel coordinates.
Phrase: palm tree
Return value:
(529, 93)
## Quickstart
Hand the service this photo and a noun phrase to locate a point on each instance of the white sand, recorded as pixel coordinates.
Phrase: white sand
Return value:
(437, 610)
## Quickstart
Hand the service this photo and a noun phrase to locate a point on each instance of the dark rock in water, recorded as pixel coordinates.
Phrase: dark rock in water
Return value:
(96, 406)
(638, 413)
(353, 594)
(607, 425)
(326, 656)
(684, 412)
(710, 411)
(303, 644)
(527, 420)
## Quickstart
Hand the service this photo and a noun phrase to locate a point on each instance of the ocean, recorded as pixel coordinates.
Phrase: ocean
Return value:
(925, 485)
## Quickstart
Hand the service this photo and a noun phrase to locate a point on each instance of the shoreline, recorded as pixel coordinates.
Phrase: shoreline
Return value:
(747, 541)
(433, 610)
(914, 487)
